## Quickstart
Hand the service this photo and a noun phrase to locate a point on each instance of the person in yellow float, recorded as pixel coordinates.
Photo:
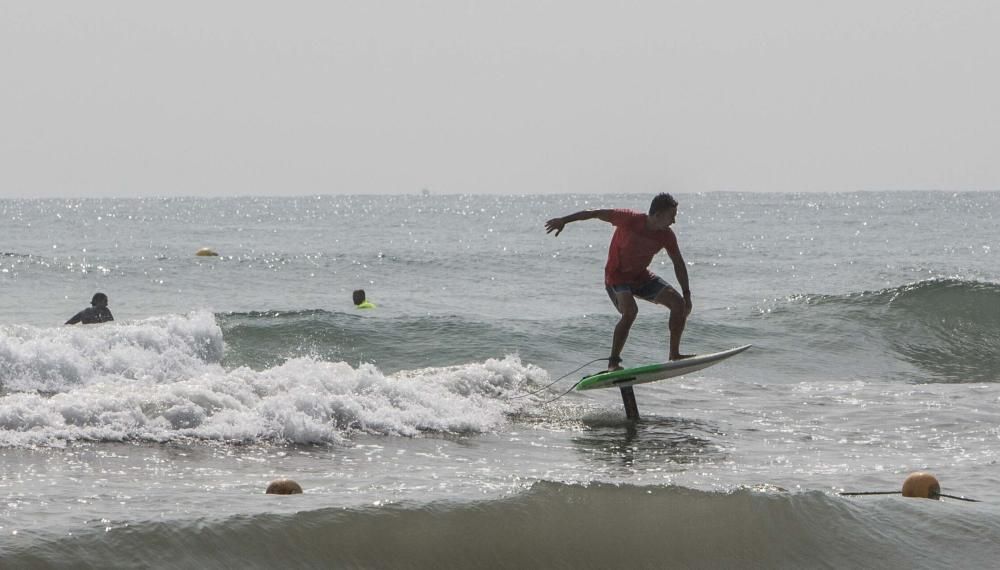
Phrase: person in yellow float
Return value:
(360, 302)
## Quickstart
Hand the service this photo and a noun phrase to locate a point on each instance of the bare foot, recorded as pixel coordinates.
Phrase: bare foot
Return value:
(680, 356)
(614, 367)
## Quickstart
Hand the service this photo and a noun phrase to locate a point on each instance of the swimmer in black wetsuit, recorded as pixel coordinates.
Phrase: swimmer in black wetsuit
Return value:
(98, 312)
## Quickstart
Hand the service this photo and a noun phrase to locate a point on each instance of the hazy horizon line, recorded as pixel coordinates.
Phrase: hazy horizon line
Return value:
(490, 194)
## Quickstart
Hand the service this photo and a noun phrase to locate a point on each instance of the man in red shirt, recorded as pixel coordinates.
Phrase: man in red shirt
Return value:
(637, 238)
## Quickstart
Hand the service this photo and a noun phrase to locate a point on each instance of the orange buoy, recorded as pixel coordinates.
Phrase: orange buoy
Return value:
(921, 485)
(283, 487)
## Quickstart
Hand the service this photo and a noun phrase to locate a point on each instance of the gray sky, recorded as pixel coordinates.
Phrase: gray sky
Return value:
(130, 98)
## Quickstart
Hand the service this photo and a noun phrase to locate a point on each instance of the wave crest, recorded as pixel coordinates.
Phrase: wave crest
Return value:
(947, 328)
(555, 525)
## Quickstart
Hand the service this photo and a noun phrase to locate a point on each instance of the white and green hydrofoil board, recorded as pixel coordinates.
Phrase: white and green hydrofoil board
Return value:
(654, 372)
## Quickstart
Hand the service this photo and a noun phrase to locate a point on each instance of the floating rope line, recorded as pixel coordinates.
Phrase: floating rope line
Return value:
(959, 498)
(855, 494)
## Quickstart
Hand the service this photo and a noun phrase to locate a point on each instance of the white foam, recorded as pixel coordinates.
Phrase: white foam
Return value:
(160, 380)
(62, 358)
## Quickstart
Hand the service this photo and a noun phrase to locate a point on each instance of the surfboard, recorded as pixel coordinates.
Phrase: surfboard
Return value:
(654, 372)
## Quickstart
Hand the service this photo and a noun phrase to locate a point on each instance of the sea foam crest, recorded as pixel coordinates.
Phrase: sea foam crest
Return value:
(301, 401)
(156, 349)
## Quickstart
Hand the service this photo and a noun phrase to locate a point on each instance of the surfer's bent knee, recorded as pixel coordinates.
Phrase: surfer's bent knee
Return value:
(671, 299)
(629, 315)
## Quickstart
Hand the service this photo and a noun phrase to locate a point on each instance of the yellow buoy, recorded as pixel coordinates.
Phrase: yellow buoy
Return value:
(921, 485)
(206, 252)
(283, 487)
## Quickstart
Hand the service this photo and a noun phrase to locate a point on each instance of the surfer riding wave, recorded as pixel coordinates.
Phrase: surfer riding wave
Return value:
(637, 239)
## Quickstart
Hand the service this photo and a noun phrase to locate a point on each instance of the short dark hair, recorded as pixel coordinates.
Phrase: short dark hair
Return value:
(662, 201)
(98, 299)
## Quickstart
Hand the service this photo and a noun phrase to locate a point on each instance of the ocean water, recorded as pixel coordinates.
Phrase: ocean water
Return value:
(426, 432)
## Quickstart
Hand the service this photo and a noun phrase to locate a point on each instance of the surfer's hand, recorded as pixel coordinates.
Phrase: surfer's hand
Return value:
(687, 303)
(555, 225)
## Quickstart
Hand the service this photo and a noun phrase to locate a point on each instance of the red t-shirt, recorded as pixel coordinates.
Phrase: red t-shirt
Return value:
(633, 247)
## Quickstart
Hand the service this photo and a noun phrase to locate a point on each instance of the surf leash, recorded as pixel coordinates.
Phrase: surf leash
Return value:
(564, 393)
(546, 387)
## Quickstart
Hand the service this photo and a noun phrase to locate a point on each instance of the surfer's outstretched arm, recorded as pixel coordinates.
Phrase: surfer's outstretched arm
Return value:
(558, 224)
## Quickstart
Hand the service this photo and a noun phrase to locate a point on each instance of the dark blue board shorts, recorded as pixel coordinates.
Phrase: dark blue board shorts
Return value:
(648, 290)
